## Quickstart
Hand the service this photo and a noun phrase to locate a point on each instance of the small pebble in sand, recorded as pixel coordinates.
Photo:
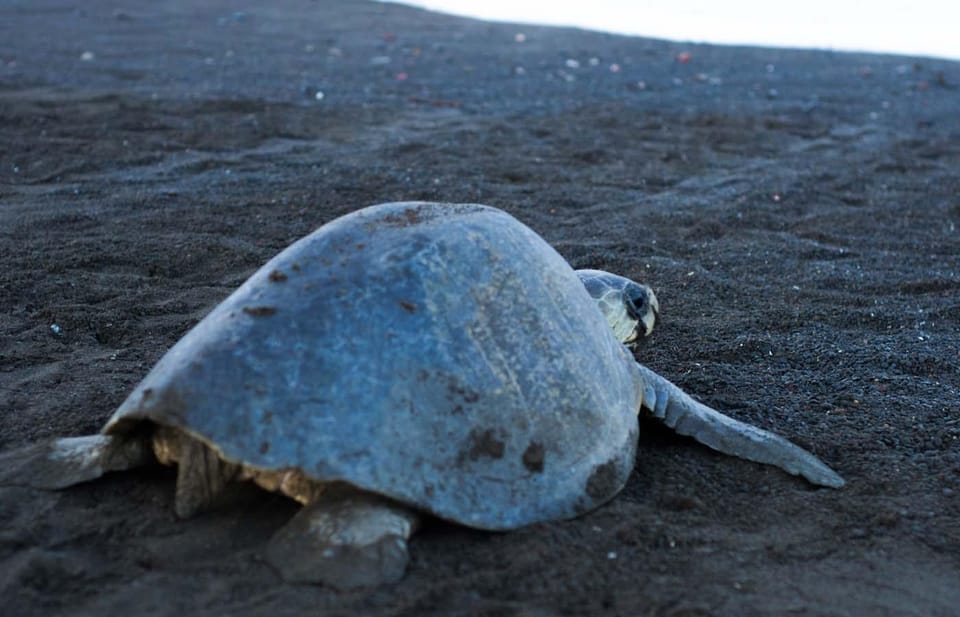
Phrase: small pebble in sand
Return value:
(56, 329)
(614, 68)
(87, 56)
(612, 555)
(313, 93)
(519, 37)
(572, 64)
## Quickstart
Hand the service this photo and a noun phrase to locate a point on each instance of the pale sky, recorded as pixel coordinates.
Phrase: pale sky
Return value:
(918, 27)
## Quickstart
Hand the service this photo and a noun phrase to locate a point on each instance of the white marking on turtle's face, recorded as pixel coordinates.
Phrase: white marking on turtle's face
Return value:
(631, 309)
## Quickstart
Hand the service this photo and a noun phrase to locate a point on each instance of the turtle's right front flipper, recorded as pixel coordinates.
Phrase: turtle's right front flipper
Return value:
(59, 463)
(681, 412)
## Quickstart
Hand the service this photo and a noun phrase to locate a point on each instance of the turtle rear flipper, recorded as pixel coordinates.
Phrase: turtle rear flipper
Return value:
(349, 539)
(681, 412)
(202, 477)
(59, 463)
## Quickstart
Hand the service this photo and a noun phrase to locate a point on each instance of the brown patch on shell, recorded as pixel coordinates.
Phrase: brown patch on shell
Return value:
(260, 311)
(533, 457)
(602, 483)
(409, 217)
(485, 444)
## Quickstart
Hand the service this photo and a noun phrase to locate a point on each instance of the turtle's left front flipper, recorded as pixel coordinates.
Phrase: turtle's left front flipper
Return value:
(59, 463)
(681, 412)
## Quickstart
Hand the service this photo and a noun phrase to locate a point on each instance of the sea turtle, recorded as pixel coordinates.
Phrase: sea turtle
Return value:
(406, 358)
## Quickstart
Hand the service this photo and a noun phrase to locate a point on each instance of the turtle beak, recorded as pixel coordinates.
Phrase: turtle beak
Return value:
(651, 318)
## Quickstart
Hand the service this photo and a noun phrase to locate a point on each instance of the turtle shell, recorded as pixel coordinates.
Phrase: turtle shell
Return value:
(442, 355)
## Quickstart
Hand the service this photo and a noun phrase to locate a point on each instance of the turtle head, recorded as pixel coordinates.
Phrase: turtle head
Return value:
(630, 308)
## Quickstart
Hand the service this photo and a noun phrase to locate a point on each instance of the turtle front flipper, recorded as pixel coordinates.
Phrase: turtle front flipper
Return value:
(348, 539)
(59, 463)
(679, 411)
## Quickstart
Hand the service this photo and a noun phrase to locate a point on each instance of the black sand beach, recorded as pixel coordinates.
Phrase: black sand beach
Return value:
(797, 213)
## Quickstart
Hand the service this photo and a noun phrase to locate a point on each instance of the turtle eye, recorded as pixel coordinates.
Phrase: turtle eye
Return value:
(637, 303)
